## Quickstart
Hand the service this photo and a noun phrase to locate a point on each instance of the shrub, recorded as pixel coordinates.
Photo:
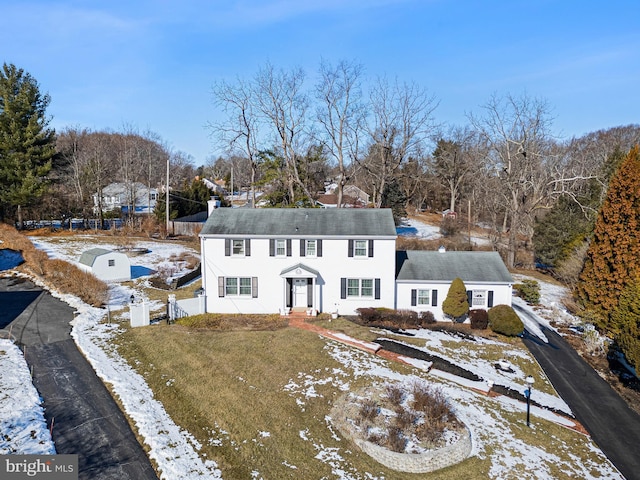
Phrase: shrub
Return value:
(389, 317)
(479, 319)
(503, 319)
(456, 304)
(427, 318)
(529, 291)
(395, 394)
(368, 410)
(396, 441)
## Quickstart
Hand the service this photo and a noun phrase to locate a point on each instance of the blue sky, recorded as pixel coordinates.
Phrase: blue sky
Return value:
(150, 65)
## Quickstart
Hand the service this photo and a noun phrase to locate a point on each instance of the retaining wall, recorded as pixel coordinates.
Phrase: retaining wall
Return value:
(420, 462)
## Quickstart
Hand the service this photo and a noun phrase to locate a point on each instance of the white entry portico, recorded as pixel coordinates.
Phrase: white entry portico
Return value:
(299, 288)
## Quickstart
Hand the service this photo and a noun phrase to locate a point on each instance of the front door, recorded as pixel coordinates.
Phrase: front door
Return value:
(300, 292)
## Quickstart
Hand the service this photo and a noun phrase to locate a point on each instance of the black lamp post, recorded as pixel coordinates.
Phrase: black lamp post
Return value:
(527, 394)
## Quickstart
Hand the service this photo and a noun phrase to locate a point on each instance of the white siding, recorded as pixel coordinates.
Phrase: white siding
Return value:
(501, 295)
(331, 267)
(118, 271)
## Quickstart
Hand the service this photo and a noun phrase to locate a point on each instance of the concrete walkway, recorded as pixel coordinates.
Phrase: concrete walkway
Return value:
(85, 419)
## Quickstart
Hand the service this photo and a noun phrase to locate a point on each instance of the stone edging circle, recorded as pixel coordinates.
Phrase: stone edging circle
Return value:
(425, 462)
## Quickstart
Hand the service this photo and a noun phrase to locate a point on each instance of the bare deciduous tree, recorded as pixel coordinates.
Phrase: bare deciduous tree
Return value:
(341, 115)
(401, 123)
(240, 128)
(284, 104)
(516, 131)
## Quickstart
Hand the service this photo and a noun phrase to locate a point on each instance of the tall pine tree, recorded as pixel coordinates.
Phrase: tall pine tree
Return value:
(613, 258)
(27, 145)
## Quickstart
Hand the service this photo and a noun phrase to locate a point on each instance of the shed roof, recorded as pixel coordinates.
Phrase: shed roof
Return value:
(88, 257)
(481, 267)
(301, 222)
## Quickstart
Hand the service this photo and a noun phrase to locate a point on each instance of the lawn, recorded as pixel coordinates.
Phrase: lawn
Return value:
(259, 403)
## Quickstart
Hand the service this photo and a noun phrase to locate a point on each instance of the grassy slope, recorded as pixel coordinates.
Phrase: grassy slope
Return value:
(228, 388)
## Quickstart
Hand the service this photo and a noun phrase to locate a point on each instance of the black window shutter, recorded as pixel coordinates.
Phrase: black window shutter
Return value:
(247, 247)
(414, 297)
(227, 247)
(221, 286)
(343, 288)
(272, 247)
(319, 247)
(371, 248)
(254, 287)
(288, 247)
(469, 297)
(377, 288)
(302, 247)
(490, 299)
(351, 248)
(434, 298)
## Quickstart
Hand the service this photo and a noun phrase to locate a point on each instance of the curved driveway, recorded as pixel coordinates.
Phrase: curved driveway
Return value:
(86, 420)
(605, 415)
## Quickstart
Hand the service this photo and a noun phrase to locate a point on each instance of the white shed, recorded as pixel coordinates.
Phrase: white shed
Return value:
(106, 265)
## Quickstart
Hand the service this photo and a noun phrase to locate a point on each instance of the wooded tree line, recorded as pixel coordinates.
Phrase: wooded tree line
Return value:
(505, 168)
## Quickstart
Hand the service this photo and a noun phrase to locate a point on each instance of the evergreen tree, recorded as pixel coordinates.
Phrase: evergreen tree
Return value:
(394, 198)
(626, 320)
(613, 258)
(27, 145)
(456, 304)
(563, 228)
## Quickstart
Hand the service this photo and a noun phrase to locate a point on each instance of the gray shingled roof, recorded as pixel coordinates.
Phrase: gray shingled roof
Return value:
(89, 256)
(300, 222)
(481, 267)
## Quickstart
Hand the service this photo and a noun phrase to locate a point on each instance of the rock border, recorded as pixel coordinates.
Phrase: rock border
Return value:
(425, 462)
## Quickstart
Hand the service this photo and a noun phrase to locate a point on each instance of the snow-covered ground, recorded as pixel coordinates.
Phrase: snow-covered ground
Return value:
(413, 227)
(23, 430)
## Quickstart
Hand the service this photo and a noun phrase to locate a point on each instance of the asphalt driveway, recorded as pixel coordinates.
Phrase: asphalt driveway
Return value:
(86, 420)
(605, 415)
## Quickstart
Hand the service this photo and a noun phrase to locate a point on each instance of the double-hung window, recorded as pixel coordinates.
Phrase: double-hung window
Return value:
(478, 298)
(311, 248)
(281, 247)
(238, 286)
(237, 247)
(423, 297)
(360, 248)
(359, 287)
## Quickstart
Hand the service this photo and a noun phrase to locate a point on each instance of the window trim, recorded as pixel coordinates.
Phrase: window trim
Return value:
(350, 285)
(420, 299)
(238, 285)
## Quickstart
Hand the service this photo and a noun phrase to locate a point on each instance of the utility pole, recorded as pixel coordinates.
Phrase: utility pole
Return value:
(166, 210)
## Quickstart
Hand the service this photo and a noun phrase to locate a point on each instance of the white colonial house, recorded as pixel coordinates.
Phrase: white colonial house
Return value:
(424, 277)
(329, 260)
(278, 259)
(126, 196)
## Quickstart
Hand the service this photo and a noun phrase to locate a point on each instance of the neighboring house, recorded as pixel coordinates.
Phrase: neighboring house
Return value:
(351, 195)
(330, 200)
(124, 196)
(107, 265)
(423, 279)
(332, 260)
(276, 259)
